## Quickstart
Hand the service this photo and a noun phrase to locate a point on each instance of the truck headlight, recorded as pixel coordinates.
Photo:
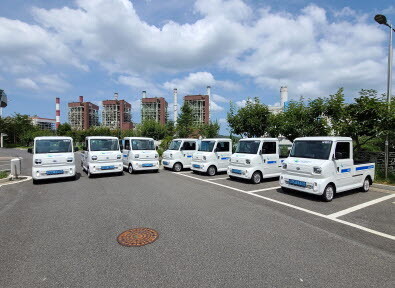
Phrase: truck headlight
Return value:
(285, 165)
(317, 170)
(119, 156)
(94, 157)
(136, 156)
(248, 161)
(171, 156)
(204, 158)
(38, 161)
(70, 159)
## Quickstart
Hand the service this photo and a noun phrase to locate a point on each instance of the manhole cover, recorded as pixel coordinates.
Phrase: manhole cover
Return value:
(137, 237)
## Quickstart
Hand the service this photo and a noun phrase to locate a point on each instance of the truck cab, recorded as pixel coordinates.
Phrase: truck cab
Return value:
(139, 154)
(325, 166)
(255, 159)
(100, 155)
(212, 156)
(179, 155)
(53, 157)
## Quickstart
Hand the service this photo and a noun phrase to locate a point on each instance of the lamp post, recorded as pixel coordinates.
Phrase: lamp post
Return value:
(381, 19)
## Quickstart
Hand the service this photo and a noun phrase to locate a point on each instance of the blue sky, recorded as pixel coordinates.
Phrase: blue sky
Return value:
(240, 48)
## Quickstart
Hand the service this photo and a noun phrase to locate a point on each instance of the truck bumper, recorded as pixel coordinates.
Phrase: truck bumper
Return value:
(41, 173)
(168, 163)
(240, 172)
(145, 165)
(199, 166)
(303, 184)
(105, 167)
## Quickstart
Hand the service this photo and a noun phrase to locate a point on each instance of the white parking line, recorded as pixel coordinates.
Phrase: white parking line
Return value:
(378, 233)
(360, 206)
(218, 179)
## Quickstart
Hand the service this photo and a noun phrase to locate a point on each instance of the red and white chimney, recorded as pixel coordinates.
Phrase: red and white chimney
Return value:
(81, 99)
(57, 107)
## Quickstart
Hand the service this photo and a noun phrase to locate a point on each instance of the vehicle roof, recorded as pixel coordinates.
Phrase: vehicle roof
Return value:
(329, 138)
(260, 139)
(186, 139)
(217, 139)
(101, 137)
(141, 138)
(51, 137)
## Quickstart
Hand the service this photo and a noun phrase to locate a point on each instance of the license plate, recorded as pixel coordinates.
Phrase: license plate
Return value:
(196, 166)
(107, 167)
(297, 183)
(165, 163)
(55, 172)
(147, 165)
(236, 171)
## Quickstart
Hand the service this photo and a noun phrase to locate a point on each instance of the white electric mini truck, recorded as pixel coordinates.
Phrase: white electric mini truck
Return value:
(255, 159)
(53, 157)
(179, 155)
(139, 154)
(325, 166)
(101, 155)
(212, 156)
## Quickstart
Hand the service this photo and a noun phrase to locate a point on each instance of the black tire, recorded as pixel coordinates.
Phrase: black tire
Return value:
(232, 177)
(130, 169)
(256, 177)
(212, 170)
(35, 182)
(73, 178)
(366, 185)
(329, 193)
(177, 167)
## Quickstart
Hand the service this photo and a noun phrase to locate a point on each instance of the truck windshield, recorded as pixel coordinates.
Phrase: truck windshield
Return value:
(104, 145)
(311, 149)
(53, 146)
(175, 145)
(248, 147)
(207, 146)
(142, 144)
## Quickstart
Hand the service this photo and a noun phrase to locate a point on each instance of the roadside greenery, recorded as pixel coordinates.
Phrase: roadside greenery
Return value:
(4, 174)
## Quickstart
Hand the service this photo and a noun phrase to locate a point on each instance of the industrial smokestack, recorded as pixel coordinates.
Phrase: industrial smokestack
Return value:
(57, 107)
(144, 94)
(81, 99)
(283, 95)
(175, 105)
(209, 102)
(116, 95)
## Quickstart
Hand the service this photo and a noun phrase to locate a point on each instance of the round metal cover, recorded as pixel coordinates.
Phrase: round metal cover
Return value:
(137, 237)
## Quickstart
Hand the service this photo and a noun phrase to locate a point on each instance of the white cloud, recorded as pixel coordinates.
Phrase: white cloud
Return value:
(141, 84)
(389, 10)
(219, 98)
(26, 83)
(197, 83)
(215, 107)
(241, 103)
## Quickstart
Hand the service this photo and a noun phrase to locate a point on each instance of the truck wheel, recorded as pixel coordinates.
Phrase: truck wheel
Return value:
(130, 169)
(177, 167)
(366, 185)
(329, 192)
(35, 182)
(211, 171)
(256, 177)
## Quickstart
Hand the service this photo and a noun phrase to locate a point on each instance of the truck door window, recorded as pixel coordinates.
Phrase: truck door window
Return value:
(189, 146)
(223, 147)
(127, 144)
(342, 150)
(269, 148)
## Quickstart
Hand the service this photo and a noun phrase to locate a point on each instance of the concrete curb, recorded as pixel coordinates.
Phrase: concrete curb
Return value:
(11, 183)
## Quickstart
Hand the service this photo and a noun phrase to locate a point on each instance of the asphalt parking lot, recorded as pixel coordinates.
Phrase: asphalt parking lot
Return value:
(213, 232)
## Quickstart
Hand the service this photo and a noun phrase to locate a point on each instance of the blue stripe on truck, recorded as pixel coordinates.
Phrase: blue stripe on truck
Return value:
(271, 162)
(346, 170)
(364, 167)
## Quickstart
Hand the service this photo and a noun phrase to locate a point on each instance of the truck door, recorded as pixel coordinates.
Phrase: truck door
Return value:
(344, 164)
(187, 150)
(223, 152)
(126, 152)
(270, 157)
(84, 154)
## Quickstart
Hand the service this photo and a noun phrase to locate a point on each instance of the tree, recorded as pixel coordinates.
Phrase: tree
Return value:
(63, 129)
(185, 121)
(209, 130)
(251, 120)
(152, 129)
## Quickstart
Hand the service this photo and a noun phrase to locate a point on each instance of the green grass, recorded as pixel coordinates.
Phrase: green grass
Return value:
(4, 174)
(379, 178)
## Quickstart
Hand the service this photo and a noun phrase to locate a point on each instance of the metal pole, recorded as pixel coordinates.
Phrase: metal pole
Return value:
(389, 94)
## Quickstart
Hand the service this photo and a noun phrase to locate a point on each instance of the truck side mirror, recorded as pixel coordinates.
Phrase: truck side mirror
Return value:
(76, 149)
(30, 150)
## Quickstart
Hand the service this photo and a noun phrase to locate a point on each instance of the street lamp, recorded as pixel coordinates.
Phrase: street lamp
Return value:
(381, 19)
